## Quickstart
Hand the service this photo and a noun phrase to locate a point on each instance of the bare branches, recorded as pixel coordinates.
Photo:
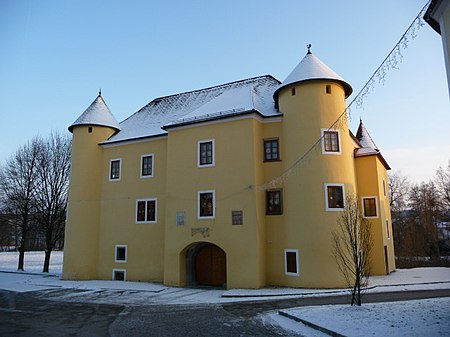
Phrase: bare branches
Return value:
(33, 190)
(18, 183)
(51, 195)
(352, 243)
(442, 180)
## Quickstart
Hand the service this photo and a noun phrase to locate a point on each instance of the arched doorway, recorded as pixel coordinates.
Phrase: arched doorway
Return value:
(206, 264)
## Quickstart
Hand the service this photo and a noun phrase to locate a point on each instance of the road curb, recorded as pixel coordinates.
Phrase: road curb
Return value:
(311, 325)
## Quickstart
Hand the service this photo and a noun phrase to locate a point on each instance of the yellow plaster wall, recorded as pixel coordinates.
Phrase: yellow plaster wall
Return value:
(84, 199)
(231, 178)
(370, 176)
(145, 242)
(305, 225)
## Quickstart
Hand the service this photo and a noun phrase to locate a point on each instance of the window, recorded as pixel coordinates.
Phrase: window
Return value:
(121, 253)
(271, 150)
(119, 274)
(180, 218)
(384, 187)
(205, 153)
(236, 217)
(146, 210)
(206, 204)
(291, 262)
(370, 207)
(147, 166)
(330, 141)
(388, 234)
(334, 196)
(328, 89)
(114, 169)
(293, 91)
(274, 202)
(89, 129)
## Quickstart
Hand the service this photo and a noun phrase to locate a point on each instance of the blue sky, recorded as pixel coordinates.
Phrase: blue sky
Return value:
(55, 55)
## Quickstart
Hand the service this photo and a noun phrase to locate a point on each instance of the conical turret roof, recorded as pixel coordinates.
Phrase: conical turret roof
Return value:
(97, 113)
(311, 68)
(364, 138)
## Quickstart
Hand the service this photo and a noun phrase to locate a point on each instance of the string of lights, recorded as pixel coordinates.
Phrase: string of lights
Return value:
(390, 62)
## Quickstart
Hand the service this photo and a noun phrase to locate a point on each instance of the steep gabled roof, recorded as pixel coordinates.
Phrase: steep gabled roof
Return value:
(311, 68)
(222, 101)
(368, 147)
(364, 138)
(97, 113)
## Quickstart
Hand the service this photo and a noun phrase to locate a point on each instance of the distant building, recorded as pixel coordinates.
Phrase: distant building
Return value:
(177, 193)
(438, 17)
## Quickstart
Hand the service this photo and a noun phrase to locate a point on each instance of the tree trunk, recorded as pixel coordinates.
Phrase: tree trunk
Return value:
(48, 252)
(21, 253)
(358, 297)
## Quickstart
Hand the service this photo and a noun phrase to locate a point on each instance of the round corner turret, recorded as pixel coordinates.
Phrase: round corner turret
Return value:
(310, 69)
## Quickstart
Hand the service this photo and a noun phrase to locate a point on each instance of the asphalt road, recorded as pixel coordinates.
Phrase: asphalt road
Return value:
(32, 314)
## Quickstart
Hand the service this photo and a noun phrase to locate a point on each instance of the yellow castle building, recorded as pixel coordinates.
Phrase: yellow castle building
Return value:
(238, 185)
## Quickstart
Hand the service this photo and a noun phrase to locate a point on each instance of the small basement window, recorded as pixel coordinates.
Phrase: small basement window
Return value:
(291, 262)
(119, 275)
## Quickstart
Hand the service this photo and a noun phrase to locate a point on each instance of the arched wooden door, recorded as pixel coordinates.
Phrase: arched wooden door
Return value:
(211, 266)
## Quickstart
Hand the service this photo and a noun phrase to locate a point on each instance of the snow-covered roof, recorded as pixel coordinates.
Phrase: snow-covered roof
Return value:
(226, 100)
(311, 68)
(97, 113)
(368, 147)
(364, 138)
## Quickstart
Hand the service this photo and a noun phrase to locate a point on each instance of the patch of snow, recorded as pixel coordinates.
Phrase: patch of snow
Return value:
(33, 262)
(429, 317)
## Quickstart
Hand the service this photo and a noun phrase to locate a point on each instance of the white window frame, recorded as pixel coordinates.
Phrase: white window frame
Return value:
(213, 216)
(120, 169)
(153, 166)
(296, 260)
(333, 209)
(213, 153)
(322, 135)
(115, 253)
(376, 207)
(124, 271)
(136, 210)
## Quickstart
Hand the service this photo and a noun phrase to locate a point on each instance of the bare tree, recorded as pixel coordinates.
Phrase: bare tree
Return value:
(51, 195)
(18, 183)
(352, 244)
(399, 187)
(442, 181)
(426, 212)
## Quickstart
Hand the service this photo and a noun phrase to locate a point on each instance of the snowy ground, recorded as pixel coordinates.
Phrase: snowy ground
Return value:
(411, 318)
(430, 317)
